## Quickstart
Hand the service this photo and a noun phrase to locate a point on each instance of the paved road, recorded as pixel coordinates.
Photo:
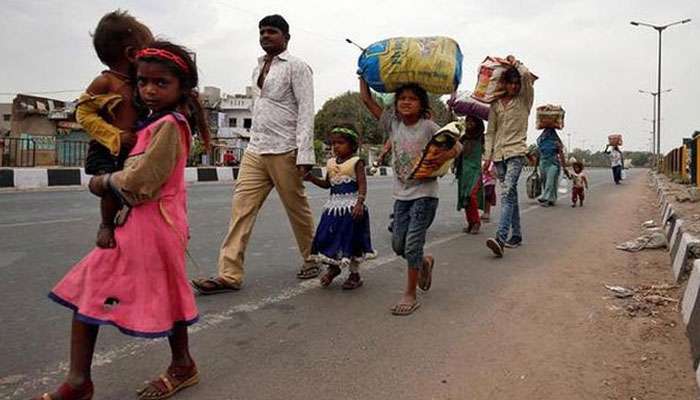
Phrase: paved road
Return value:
(274, 323)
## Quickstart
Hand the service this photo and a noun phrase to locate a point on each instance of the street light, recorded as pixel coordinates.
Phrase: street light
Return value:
(659, 28)
(653, 121)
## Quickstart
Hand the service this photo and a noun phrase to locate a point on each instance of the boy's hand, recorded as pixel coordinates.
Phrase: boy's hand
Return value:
(358, 210)
(127, 139)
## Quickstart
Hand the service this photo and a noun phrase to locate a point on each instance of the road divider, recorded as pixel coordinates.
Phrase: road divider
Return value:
(684, 251)
(37, 178)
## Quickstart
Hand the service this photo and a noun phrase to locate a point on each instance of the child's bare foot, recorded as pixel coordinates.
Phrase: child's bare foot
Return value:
(425, 277)
(105, 237)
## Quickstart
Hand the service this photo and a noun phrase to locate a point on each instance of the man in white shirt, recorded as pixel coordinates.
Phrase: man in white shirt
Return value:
(280, 153)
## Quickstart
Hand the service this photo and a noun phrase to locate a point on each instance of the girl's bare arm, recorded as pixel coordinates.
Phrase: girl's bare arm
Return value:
(359, 208)
(374, 108)
(322, 183)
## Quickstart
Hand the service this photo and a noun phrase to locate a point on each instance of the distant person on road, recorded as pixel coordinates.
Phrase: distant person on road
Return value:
(506, 146)
(141, 285)
(415, 201)
(343, 238)
(580, 184)
(616, 162)
(106, 109)
(552, 161)
(279, 155)
(470, 194)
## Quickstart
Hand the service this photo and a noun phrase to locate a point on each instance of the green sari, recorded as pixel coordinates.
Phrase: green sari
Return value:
(468, 172)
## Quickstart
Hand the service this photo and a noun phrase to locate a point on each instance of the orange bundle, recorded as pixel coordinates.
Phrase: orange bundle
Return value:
(442, 141)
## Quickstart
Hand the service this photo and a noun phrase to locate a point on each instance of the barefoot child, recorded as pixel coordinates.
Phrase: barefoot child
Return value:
(107, 111)
(470, 195)
(580, 184)
(343, 236)
(410, 129)
(488, 178)
(141, 285)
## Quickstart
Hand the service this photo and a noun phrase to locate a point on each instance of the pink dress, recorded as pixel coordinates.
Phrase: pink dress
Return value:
(141, 286)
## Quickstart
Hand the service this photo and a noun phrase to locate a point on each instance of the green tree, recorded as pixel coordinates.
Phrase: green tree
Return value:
(347, 108)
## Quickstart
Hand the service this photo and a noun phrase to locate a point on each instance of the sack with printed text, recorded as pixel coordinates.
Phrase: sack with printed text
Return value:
(434, 63)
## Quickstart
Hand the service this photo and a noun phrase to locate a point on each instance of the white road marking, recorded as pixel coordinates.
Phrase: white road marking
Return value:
(34, 383)
(50, 221)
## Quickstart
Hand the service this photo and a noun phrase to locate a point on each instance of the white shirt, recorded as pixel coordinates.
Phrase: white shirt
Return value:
(615, 158)
(283, 111)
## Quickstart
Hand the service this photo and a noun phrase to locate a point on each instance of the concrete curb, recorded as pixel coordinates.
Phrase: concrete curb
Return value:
(37, 178)
(683, 265)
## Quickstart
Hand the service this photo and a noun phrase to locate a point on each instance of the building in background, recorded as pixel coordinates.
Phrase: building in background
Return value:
(5, 118)
(230, 119)
(43, 131)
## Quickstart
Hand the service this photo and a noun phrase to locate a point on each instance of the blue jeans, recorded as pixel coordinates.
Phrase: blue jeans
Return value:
(509, 173)
(550, 171)
(411, 221)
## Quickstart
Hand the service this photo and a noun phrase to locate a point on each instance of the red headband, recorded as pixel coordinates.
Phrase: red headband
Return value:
(163, 54)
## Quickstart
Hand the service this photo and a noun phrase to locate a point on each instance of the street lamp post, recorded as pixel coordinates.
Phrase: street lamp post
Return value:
(653, 121)
(660, 29)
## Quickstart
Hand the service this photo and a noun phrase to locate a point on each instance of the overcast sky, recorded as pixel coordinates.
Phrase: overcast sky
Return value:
(587, 55)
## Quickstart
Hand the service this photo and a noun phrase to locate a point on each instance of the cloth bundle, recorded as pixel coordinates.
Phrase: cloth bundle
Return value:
(465, 105)
(442, 141)
(615, 139)
(489, 86)
(550, 116)
(652, 238)
(434, 63)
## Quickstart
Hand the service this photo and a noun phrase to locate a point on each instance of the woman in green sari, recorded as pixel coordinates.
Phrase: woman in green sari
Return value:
(470, 195)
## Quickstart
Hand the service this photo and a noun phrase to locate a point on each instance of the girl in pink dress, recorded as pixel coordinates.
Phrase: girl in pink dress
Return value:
(141, 285)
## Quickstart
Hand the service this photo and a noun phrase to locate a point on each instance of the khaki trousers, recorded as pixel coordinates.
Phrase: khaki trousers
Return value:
(256, 178)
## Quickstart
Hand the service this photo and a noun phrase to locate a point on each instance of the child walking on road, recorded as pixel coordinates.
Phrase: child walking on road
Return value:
(141, 285)
(580, 184)
(470, 195)
(416, 201)
(343, 236)
(106, 110)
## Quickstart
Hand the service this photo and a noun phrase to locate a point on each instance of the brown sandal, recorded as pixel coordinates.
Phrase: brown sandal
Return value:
(174, 380)
(68, 392)
(353, 282)
(331, 272)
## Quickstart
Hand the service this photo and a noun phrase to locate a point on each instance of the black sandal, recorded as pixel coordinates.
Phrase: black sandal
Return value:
(216, 285)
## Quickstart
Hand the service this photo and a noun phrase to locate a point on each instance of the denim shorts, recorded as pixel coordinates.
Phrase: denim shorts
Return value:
(412, 218)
